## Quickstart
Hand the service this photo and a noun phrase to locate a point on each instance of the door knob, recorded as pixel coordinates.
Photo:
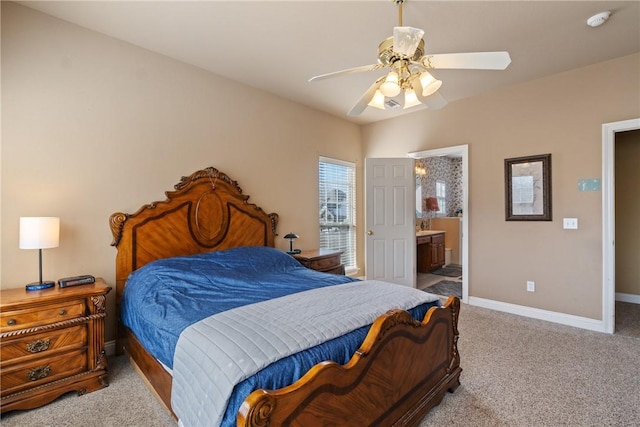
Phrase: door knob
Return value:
(370, 233)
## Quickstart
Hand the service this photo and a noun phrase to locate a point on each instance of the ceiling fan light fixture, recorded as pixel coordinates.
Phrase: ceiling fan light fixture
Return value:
(410, 99)
(430, 84)
(377, 101)
(404, 55)
(390, 87)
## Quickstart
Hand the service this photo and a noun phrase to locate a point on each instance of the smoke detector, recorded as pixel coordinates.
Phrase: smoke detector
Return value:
(598, 19)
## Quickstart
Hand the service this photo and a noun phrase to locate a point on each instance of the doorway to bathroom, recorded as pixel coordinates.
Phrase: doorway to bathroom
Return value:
(441, 207)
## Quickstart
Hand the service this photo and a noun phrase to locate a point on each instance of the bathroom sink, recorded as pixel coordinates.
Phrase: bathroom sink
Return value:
(427, 232)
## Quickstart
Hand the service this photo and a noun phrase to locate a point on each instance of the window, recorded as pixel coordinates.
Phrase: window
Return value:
(337, 214)
(441, 194)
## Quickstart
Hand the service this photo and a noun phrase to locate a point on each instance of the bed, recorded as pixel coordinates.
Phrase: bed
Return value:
(400, 369)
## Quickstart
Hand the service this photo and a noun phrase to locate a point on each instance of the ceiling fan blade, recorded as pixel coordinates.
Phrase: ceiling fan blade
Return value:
(434, 101)
(471, 60)
(366, 98)
(371, 67)
(406, 40)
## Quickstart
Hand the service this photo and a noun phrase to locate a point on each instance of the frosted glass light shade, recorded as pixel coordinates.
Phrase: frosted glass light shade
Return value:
(377, 101)
(390, 87)
(39, 232)
(410, 99)
(406, 40)
(429, 84)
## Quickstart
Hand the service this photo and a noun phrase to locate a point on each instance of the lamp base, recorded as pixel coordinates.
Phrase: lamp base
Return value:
(37, 286)
(294, 251)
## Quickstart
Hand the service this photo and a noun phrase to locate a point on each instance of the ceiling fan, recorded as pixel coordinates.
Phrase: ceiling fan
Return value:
(404, 54)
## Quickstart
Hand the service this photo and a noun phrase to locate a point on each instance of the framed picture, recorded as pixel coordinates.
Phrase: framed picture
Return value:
(527, 184)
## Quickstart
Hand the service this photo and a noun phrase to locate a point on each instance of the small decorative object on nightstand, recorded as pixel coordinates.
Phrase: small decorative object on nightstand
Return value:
(51, 342)
(325, 260)
(292, 236)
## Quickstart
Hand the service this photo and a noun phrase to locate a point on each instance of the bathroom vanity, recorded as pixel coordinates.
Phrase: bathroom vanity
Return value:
(429, 250)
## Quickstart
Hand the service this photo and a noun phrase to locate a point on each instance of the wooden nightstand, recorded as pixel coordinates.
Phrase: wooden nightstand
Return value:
(51, 342)
(327, 261)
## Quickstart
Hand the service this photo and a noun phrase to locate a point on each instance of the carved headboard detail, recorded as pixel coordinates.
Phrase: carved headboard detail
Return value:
(206, 212)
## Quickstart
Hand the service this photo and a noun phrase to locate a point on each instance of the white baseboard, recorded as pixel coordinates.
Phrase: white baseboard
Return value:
(536, 313)
(110, 348)
(632, 298)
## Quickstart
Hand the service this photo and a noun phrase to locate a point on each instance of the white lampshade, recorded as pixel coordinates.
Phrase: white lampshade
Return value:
(39, 232)
(377, 101)
(429, 84)
(390, 87)
(410, 99)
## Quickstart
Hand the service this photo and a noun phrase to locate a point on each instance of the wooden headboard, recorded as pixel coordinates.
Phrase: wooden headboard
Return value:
(206, 212)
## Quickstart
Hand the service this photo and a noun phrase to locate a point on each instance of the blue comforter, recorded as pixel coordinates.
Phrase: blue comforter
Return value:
(164, 297)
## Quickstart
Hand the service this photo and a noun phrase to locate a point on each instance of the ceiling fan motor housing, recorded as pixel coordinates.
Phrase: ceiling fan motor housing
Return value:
(386, 55)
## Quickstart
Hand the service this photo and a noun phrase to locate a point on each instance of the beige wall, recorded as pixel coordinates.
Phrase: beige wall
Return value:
(562, 115)
(92, 126)
(627, 149)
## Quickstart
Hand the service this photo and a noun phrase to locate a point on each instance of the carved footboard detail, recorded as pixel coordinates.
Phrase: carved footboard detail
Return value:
(402, 369)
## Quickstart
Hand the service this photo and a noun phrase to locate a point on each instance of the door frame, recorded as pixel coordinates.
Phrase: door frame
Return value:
(463, 151)
(609, 219)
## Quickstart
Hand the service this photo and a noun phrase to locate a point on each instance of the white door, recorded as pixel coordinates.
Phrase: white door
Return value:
(390, 220)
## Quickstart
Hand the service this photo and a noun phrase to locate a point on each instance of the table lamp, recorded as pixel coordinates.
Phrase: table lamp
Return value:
(39, 233)
(432, 204)
(292, 236)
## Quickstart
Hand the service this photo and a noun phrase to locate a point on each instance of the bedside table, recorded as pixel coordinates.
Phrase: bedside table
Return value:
(51, 342)
(327, 261)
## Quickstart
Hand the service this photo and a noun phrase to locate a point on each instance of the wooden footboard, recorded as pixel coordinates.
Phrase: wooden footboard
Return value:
(403, 369)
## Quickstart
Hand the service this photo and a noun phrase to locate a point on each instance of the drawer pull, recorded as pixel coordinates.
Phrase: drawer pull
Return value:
(38, 346)
(11, 322)
(38, 373)
(62, 312)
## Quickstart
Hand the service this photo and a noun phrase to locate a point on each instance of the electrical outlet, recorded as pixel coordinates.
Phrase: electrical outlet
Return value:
(531, 286)
(570, 223)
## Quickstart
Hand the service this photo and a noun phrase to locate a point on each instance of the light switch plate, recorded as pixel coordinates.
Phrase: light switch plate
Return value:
(570, 223)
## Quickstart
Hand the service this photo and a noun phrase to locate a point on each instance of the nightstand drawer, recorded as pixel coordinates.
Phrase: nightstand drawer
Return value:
(38, 316)
(327, 261)
(42, 371)
(19, 349)
(323, 264)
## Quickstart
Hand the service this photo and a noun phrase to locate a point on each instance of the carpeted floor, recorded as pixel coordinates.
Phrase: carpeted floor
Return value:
(516, 372)
(628, 319)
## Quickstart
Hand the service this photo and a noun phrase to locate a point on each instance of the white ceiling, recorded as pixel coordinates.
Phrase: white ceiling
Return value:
(277, 46)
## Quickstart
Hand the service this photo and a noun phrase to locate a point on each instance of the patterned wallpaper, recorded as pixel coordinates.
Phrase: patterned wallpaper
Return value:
(447, 169)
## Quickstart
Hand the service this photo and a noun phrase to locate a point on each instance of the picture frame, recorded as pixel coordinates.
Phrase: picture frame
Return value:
(527, 184)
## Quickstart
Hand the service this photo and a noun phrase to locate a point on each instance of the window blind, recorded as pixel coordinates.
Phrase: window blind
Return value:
(337, 216)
